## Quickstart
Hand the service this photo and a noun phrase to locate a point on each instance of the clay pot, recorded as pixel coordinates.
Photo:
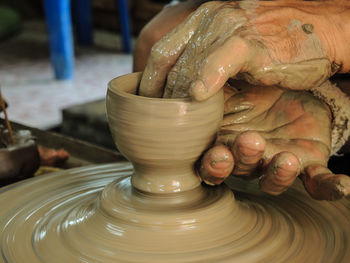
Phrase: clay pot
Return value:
(161, 137)
(94, 214)
(19, 161)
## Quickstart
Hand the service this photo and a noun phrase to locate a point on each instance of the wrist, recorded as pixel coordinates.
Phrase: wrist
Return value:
(339, 105)
(343, 82)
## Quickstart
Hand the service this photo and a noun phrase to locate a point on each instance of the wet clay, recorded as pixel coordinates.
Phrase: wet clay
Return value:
(152, 212)
(311, 72)
(230, 39)
(71, 216)
(162, 138)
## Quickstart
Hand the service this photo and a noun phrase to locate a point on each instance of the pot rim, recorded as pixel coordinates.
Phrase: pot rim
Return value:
(113, 88)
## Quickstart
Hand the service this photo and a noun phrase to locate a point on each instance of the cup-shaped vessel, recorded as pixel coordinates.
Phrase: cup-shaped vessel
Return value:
(161, 137)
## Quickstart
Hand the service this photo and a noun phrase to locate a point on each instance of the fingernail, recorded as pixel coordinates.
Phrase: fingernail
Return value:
(198, 90)
(205, 176)
(208, 178)
(207, 182)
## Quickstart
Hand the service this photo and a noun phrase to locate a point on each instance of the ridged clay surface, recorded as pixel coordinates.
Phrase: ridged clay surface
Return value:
(71, 216)
(158, 211)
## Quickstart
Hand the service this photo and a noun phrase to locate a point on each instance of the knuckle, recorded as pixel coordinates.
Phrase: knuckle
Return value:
(157, 55)
(241, 43)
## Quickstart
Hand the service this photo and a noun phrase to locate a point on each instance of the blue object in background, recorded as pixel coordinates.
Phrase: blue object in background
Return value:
(82, 18)
(122, 6)
(59, 25)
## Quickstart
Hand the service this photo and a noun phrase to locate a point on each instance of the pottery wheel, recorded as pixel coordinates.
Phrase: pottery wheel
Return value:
(92, 214)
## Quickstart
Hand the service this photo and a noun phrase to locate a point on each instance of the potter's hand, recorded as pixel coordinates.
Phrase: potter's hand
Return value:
(276, 135)
(291, 45)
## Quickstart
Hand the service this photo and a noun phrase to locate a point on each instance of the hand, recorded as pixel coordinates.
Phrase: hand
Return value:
(52, 157)
(292, 45)
(275, 134)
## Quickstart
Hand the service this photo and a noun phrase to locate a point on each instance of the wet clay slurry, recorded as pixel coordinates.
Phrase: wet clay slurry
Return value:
(71, 216)
(112, 213)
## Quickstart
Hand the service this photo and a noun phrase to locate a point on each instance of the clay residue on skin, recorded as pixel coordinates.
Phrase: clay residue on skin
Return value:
(311, 73)
(165, 52)
(288, 53)
(339, 104)
(190, 62)
(310, 46)
(322, 184)
(250, 6)
(307, 68)
(308, 28)
(156, 210)
(290, 121)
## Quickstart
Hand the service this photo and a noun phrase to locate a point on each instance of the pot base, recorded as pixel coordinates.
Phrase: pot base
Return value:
(93, 214)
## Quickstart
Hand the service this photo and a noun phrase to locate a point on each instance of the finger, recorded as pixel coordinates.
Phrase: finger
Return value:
(224, 62)
(171, 82)
(248, 150)
(179, 77)
(216, 165)
(322, 184)
(280, 173)
(165, 53)
(186, 67)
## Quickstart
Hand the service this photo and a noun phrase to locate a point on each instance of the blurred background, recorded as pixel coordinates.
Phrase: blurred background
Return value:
(67, 102)
(56, 58)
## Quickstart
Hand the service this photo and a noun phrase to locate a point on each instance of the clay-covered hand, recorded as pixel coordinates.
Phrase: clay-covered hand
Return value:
(276, 135)
(295, 45)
